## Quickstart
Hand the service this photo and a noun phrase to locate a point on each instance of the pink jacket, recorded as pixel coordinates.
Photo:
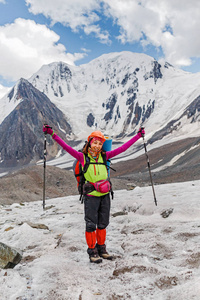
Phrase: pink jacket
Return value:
(109, 154)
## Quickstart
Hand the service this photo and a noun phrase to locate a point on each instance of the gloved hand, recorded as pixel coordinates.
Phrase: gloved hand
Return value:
(141, 132)
(47, 129)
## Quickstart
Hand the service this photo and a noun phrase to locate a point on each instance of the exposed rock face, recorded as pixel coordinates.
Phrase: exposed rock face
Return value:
(90, 120)
(9, 257)
(21, 136)
(110, 107)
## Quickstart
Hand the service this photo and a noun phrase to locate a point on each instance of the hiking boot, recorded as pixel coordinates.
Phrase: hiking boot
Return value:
(94, 256)
(103, 253)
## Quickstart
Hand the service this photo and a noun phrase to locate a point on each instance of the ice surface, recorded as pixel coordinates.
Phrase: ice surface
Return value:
(155, 257)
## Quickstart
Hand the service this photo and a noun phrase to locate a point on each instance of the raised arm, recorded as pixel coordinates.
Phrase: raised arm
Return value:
(125, 146)
(76, 154)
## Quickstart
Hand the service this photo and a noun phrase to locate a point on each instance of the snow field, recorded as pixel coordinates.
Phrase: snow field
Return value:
(155, 257)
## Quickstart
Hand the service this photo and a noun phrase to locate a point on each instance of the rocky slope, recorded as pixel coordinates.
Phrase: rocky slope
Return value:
(21, 133)
(27, 183)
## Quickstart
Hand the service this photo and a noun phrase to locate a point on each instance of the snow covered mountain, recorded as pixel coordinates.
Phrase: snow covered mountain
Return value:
(119, 92)
(21, 133)
(3, 90)
(116, 93)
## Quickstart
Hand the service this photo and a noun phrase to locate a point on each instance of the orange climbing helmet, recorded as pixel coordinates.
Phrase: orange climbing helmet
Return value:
(97, 134)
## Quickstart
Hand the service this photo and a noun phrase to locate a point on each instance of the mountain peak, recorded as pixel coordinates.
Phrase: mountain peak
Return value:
(116, 93)
(21, 131)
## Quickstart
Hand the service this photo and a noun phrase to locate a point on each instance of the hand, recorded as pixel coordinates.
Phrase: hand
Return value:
(47, 129)
(141, 132)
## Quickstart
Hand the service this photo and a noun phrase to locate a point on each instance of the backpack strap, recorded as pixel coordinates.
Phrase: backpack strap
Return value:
(108, 167)
(105, 162)
(81, 174)
(87, 162)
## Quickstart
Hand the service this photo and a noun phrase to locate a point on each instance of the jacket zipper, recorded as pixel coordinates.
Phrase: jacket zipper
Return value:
(95, 171)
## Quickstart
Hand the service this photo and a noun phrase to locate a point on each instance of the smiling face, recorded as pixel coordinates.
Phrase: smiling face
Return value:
(96, 145)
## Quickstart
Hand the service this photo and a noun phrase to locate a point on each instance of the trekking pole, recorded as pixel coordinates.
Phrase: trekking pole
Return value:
(44, 173)
(148, 164)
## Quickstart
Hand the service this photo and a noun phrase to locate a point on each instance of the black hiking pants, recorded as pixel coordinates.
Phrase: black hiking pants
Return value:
(97, 212)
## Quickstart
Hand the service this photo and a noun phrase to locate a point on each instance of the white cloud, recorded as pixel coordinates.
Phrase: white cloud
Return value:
(76, 14)
(85, 50)
(25, 46)
(2, 1)
(171, 25)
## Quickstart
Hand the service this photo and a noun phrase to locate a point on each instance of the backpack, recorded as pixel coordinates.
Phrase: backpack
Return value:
(79, 172)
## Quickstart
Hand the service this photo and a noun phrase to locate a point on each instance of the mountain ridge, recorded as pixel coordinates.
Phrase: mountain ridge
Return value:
(115, 93)
(125, 100)
(21, 131)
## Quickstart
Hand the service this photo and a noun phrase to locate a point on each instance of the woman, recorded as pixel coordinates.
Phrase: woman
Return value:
(97, 187)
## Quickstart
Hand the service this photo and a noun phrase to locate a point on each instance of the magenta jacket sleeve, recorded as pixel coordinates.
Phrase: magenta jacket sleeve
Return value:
(76, 154)
(124, 147)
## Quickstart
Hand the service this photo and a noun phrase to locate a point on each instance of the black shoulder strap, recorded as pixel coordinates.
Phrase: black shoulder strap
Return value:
(104, 158)
(105, 161)
(108, 167)
(82, 178)
(87, 162)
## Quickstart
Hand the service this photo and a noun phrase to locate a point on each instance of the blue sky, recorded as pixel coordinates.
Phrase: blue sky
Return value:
(38, 32)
